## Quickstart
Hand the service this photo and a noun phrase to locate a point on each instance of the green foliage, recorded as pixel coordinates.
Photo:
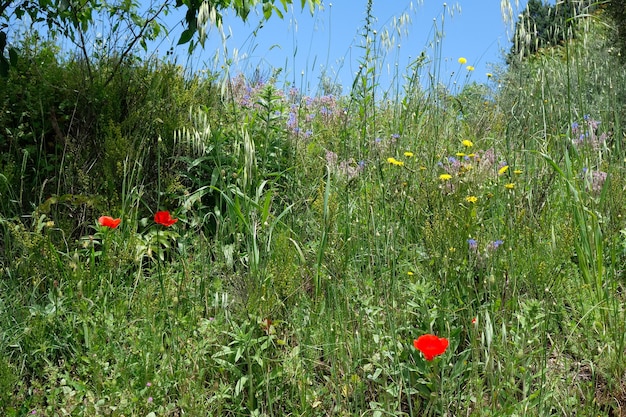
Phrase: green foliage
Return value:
(617, 10)
(73, 21)
(8, 381)
(317, 237)
(542, 25)
(63, 135)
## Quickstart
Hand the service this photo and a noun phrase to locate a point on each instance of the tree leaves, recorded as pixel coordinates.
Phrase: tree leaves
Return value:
(72, 18)
(186, 36)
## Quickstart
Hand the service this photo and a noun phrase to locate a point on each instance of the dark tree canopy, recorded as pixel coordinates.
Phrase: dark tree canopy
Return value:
(542, 25)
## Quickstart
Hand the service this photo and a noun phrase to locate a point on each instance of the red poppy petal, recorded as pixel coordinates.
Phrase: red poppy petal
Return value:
(164, 218)
(431, 345)
(108, 221)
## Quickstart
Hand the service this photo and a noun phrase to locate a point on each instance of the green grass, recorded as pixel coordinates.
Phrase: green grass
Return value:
(304, 261)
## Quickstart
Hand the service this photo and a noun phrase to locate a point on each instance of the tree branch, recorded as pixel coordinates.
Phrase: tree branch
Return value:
(3, 7)
(136, 39)
(83, 49)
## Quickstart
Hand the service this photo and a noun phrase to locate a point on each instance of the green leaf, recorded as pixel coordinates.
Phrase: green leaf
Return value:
(267, 11)
(186, 36)
(278, 12)
(13, 56)
(64, 5)
(240, 385)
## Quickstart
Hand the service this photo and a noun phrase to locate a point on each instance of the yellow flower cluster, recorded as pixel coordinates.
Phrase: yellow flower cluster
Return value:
(394, 161)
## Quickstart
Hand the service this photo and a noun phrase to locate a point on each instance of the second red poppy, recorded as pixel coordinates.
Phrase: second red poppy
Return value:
(108, 221)
(164, 218)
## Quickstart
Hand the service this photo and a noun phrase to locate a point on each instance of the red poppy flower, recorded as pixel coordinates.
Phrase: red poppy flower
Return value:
(108, 221)
(431, 345)
(164, 218)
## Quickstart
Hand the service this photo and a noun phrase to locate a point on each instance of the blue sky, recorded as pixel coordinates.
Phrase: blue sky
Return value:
(306, 45)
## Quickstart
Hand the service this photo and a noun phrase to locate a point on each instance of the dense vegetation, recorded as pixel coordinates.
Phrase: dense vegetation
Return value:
(316, 237)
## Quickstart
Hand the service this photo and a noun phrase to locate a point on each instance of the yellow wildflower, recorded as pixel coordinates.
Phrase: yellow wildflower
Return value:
(408, 154)
(467, 143)
(510, 186)
(503, 170)
(462, 60)
(489, 75)
(445, 177)
(517, 171)
(394, 161)
(460, 154)
(470, 68)
(409, 273)
(471, 199)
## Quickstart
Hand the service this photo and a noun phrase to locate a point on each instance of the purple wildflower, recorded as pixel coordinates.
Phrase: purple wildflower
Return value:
(291, 120)
(597, 180)
(331, 158)
(495, 244)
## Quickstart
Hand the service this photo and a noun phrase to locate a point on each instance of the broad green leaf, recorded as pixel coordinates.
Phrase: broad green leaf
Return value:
(267, 11)
(186, 36)
(240, 385)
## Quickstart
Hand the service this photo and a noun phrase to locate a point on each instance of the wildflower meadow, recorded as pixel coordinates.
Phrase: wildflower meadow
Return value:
(217, 244)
